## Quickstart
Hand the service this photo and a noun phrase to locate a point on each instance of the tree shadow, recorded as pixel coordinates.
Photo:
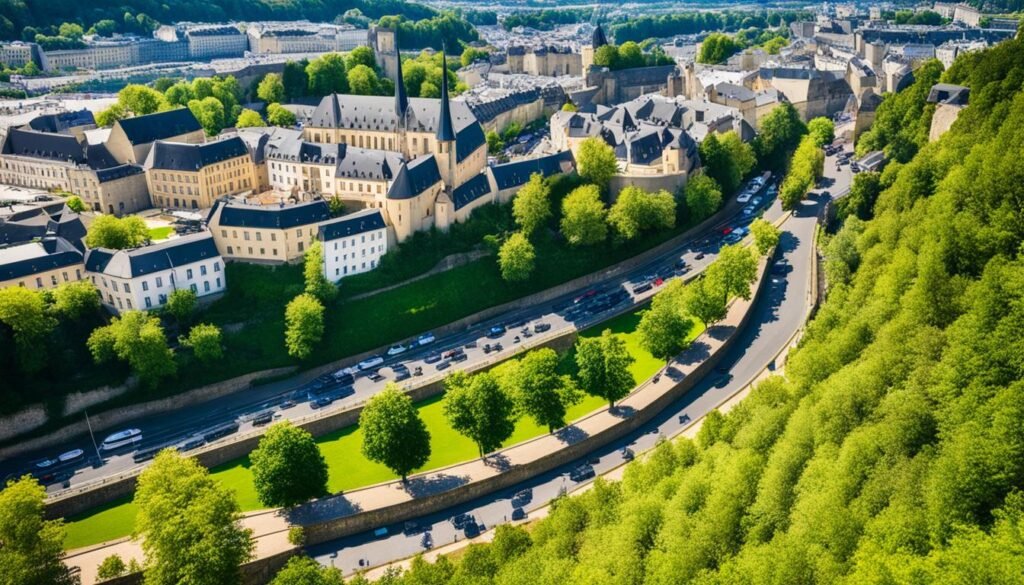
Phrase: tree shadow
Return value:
(622, 411)
(675, 374)
(697, 352)
(721, 332)
(571, 434)
(419, 487)
(498, 461)
(336, 506)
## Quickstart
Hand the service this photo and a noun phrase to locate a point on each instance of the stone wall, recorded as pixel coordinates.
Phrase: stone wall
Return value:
(22, 421)
(325, 531)
(79, 401)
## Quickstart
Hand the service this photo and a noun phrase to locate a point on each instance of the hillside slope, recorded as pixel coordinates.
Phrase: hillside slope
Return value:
(892, 451)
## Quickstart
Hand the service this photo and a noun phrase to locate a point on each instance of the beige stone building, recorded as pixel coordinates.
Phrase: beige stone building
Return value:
(130, 139)
(551, 61)
(193, 176)
(265, 233)
(41, 264)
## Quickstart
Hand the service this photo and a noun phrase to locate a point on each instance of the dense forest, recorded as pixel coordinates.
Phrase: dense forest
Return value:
(684, 23)
(892, 449)
(15, 15)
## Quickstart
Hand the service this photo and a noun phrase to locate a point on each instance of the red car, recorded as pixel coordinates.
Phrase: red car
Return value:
(585, 296)
(726, 231)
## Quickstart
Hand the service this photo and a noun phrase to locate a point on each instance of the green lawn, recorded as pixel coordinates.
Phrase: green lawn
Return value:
(160, 233)
(350, 470)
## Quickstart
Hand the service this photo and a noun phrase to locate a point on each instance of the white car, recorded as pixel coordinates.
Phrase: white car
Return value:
(425, 339)
(748, 210)
(396, 349)
(371, 362)
(745, 196)
(755, 201)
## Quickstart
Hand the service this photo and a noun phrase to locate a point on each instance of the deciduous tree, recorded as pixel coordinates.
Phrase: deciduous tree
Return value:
(287, 467)
(583, 217)
(313, 272)
(477, 408)
(604, 366)
(249, 119)
(327, 74)
(138, 338)
(107, 231)
(531, 206)
(393, 433)
(635, 211)
(596, 162)
(181, 305)
(205, 341)
(32, 548)
(663, 328)
(24, 311)
(539, 391)
(74, 300)
(766, 235)
(271, 89)
(304, 325)
(822, 130)
(703, 196)
(516, 258)
(278, 115)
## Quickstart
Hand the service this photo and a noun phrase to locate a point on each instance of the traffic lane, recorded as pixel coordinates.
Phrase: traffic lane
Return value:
(779, 312)
(180, 426)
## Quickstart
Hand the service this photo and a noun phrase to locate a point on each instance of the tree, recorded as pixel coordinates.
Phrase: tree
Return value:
(249, 119)
(278, 115)
(734, 271)
(287, 467)
(336, 206)
(663, 328)
(596, 162)
(210, 113)
(32, 547)
(635, 211)
(860, 201)
(607, 56)
(271, 89)
(531, 206)
(71, 30)
(822, 130)
(304, 325)
(115, 233)
(741, 153)
(477, 408)
(429, 90)
(516, 258)
(361, 56)
(181, 304)
(471, 55)
(805, 168)
(717, 48)
(313, 271)
(141, 100)
(74, 300)
(135, 337)
(494, 143)
(205, 341)
(294, 79)
(106, 118)
(189, 524)
(24, 311)
(719, 163)
(604, 366)
(539, 391)
(766, 235)
(75, 204)
(781, 130)
(704, 300)
(703, 196)
(179, 94)
(105, 27)
(569, 107)
(302, 570)
(393, 433)
(327, 75)
(111, 568)
(631, 55)
(583, 217)
(363, 80)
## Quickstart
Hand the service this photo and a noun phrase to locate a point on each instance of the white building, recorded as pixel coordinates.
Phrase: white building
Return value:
(143, 278)
(353, 243)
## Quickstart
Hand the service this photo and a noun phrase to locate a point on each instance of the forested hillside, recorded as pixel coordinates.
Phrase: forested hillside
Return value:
(893, 449)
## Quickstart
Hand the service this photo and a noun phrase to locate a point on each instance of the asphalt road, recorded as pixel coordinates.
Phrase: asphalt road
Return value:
(290, 399)
(779, 313)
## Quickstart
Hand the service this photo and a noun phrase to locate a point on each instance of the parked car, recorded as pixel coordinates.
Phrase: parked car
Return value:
(744, 196)
(727, 230)
(380, 532)
(371, 362)
(582, 472)
(376, 376)
(518, 514)
(443, 365)
(425, 339)
(262, 418)
(321, 402)
(496, 331)
(120, 439)
(522, 497)
(627, 454)
(755, 201)
(432, 358)
(459, 521)
(396, 349)
(585, 296)
(642, 287)
(541, 327)
(748, 210)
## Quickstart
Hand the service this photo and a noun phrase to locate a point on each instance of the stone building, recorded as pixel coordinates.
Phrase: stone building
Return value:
(193, 176)
(265, 233)
(353, 244)
(547, 61)
(40, 264)
(211, 42)
(949, 101)
(131, 138)
(813, 93)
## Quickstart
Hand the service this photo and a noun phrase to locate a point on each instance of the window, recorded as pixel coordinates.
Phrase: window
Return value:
(159, 282)
(246, 236)
(53, 279)
(149, 303)
(259, 237)
(202, 270)
(194, 288)
(127, 289)
(206, 286)
(145, 286)
(301, 246)
(218, 282)
(39, 282)
(230, 250)
(188, 274)
(216, 266)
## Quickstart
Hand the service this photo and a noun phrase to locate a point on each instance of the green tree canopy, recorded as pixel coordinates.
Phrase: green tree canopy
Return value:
(539, 391)
(477, 408)
(271, 88)
(766, 235)
(107, 231)
(189, 524)
(327, 74)
(75, 204)
(302, 570)
(75, 300)
(822, 130)
(516, 258)
(604, 366)
(720, 164)
(211, 114)
(32, 548)
(531, 206)
(304, 325)
(361, 56)
(717, 48)
(287, 467)
(205, 341)
(363, 80)
(636, 211)
(181, 305)
(596, 162)
(138, 338)
(393, 432)
(742, 153)
(663, 328)
(278, 115)
(703, 196)
(583, 216)
(313, 272)
(249, 119)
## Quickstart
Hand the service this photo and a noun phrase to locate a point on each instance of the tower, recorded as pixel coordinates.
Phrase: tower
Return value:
(401, 112)
(445, 129)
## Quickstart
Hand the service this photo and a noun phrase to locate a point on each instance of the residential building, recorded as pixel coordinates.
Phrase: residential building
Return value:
(353, 244)
(265, 233)
(40, 264)
(211, 42)
(22, 223)
(193, 176)
(143, 278)
(130, 139)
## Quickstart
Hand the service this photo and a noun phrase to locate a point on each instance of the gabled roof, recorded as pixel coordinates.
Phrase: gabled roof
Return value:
(159, 126)
(517, 173)
(62, 121)
(415, 177)
(471, 190)
(30, 258)
(270, 216)
(947, 93)
(172, 253)
(44, 145)
(180, 156)
(353, 224)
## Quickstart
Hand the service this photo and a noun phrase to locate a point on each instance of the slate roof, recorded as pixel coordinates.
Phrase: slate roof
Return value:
(947, 93)
(353, 224)
(118, 172)
(471, 190)
(159, 126)
(415, 177)
(137, 262)
(179, 156)
(44, 145)
(598, 39)
(445, 129)
(213, 31)
(30, 258)
(518, 173)
(377, 113)
(62, 121)
(277, 217)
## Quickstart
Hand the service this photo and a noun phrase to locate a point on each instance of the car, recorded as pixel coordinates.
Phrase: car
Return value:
(191, 443)
(396, 349)
(755, 201)
(727, 230)
(120, 439)
(427, 541)
(472, 530)
(432, 358)
(585, 296)
(262, 418)
(411, 527)
(732, 238)
(321, 402)
(627, 454)
(452, 353)
(748, 210)
(344, 378)
(287, 403)
(642, 287)
(460, 357)
(518, 514)
(744, 196)
(380, 532)
(541, 327)
(741, 231)
(375, 376)
(371, 362)
(582, 472)
(459, 521)
(402, 375)
(425, 339)
(443, 365)
(525, 496)
(665, 273)
(780, 267)
(699, 256)
(772, 191)
(496, 331)
(825, 194)
(45, 463)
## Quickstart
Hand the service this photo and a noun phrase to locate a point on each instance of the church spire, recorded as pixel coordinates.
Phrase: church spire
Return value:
(401, 97)
(445, 129)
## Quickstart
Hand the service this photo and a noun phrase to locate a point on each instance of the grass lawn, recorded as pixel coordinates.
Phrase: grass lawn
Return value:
(160, 233)
(347, 466)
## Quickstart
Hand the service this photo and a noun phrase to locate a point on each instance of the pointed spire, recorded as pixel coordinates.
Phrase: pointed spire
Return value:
(599, 40)
(401, 97)
(445, 129)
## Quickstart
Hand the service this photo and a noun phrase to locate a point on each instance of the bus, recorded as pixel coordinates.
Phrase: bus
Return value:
(122, 439)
